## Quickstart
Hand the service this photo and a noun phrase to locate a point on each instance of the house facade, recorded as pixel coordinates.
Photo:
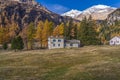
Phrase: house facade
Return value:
(72, 43)
(57, 42)
(115, 41)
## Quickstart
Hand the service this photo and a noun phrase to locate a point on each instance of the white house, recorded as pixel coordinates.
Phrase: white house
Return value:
(58, 42)
(55, 42)
(115, 41)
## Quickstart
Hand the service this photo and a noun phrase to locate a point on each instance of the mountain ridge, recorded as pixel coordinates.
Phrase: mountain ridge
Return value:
(100, 11)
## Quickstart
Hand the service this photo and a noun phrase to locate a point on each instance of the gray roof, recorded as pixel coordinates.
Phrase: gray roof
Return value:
(72, 41)
(118, 36)
(52, 37)
(115, 37)
(67, 41)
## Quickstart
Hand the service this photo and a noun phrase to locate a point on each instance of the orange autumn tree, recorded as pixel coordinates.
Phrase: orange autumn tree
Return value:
(39, 32)
(59, 30)
(13, 29)
(1, 35)
(47, 31)
(4, 35)
(56, 31)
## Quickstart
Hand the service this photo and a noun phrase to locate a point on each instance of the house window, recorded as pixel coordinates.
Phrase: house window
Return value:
(59, 40)
(58, 44)
(71, 44)
(65, 45)
(111, 41)
(54, 40)
(53, 45)
(117, 41)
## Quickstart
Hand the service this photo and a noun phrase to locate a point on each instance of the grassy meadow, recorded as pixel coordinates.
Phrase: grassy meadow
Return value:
(87, 63)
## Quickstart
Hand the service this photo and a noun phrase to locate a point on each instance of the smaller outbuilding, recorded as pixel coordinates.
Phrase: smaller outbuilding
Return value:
(115, 40)
(72, 43)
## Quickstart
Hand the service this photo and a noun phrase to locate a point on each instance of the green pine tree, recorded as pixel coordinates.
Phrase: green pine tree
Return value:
(20, 44)
(17, 43)
(67, 29)
(5, 46)
(88, 35)
(13, 44)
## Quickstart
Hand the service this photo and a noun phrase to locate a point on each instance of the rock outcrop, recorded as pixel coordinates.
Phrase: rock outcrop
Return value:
(113, 17)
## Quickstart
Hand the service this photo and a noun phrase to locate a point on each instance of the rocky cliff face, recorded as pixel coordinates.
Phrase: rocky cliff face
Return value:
(113, 17)
(24, 13)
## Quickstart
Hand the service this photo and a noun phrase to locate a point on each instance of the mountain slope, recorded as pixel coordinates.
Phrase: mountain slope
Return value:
(26, 12)
(73, 13)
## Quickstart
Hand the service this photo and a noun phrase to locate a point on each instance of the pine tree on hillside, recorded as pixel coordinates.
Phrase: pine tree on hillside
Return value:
(14, 44)
(20, 44)
(105, 32)
(5, 46)
(68, 29)
(17, 43)
(88, 35)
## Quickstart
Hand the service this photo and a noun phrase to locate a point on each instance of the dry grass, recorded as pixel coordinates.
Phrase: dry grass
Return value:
(87, 63)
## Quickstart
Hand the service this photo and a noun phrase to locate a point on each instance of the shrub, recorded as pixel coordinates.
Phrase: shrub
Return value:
(5, 46)
(17, 43)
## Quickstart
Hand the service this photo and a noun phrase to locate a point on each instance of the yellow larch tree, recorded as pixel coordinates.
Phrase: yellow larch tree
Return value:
(56, 31)
(39, 32)
(13, 29)
(59, 30)
(47, 31)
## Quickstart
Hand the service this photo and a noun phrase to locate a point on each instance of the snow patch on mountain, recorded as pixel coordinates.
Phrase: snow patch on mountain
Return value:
(73, 13)
(98, 9)
(100, 6)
